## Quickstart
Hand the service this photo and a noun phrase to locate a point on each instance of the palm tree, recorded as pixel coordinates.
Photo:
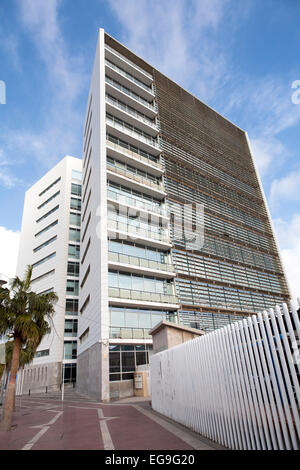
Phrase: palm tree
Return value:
(24, 316)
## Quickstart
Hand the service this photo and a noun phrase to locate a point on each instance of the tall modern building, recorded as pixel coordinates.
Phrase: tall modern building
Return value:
(50, 242)
(156, 163)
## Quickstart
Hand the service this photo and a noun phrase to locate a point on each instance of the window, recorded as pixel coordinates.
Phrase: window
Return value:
(70, 373)
(46, 228)
(48, 200)
(70, 349)
(47, 214)
(73, 268)
(71, 327)
(43, 353)
(75, 219)
(43, 260)
(71, 306)
(84, 335)
(43, 276)
(76, 175)
(75, 204)
(123, 360)
(49, 187)
(51, 240)
(72, 287)
(85, 304)
(74, 234)
(85, 276)
(74, 251)
(76, 189)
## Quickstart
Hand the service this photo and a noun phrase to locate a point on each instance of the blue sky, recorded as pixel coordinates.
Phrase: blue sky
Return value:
(238, 56)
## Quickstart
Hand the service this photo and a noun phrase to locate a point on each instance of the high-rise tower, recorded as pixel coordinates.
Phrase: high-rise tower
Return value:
(50, 242)
(155, 160)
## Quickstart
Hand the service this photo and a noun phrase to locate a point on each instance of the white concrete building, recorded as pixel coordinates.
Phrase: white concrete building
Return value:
(153, 153)
(126, 274)
(50, 242)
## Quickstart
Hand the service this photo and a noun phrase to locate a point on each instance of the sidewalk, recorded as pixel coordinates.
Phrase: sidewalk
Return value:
(44, 422)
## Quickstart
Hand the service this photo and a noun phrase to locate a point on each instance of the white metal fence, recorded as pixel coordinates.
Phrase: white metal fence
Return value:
(238, 385)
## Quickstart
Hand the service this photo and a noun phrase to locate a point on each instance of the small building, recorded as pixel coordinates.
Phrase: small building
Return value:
(165, 335)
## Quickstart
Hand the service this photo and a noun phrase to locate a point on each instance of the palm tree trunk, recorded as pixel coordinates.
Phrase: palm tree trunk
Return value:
(5, 424)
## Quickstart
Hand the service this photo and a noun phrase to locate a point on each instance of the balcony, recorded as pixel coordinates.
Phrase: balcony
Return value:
(128, 201)
(133, 117)
(137, 159)
(137, 234)
(128, 80)
(161, 235)
(116, 332)
(132, 135)
(127, 296)
(139, 183)
(128, 65)
(140, 265)
(126, 95)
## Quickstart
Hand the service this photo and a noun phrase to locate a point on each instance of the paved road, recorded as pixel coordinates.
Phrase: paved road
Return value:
(47, 423)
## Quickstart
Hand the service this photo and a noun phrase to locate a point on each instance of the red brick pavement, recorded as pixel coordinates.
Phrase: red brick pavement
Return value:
(48, 424)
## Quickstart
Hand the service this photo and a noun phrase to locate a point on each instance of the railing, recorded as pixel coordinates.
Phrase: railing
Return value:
(139, 179)
(128, 109)
(130, 93)
(116, 292)
(129, 333)
(128, 61)
(138, 231)
(134, 133)
(130, 153)
(238, 385)
(127, 200)
(129, 76)
(140, 262)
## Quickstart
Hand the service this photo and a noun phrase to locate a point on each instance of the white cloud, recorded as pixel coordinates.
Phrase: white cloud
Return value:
(65, 76)
(9, 248)
(177, 37)
(288, 233)
(7, 179)
(286, 188)
(265, 150)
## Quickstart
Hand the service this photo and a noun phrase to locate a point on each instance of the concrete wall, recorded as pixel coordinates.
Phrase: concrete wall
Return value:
(36, 378)
(122, 389)
(90, 371)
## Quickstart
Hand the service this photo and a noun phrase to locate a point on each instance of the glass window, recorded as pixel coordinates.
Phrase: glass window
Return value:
(124, 281)
(74, 235)
(71, 307)
(72, 287)
(75, 219)
(117, 316)
(128, 362)
(132, 318)
(69, 373)
(70, 349)
(76, 175)
(74, 251)
(113, 279)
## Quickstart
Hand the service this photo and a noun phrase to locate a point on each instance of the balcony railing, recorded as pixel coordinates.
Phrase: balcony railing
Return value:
(137, 232)
(128, 61)
(140, 262)
(129, 333)
(128, 109)
(129, 76)
(130, 93)
(130, 201)
(124, 127)
(130, 153)
(116, 292)
(134, 177)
